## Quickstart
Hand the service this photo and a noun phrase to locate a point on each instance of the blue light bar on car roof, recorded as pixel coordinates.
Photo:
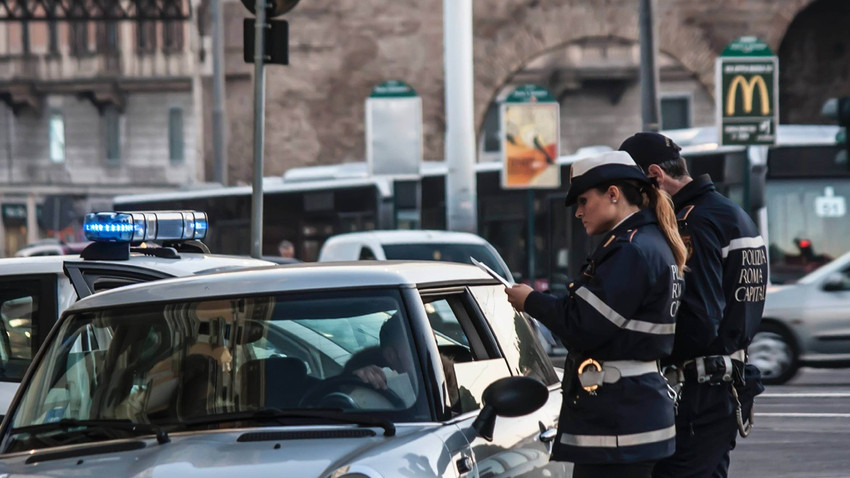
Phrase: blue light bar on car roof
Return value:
(141, 226)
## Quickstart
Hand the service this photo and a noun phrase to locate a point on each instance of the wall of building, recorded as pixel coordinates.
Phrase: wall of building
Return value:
(144, 144)
(340, 50)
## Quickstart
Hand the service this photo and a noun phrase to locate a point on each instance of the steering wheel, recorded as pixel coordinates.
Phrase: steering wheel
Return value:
(329, 393)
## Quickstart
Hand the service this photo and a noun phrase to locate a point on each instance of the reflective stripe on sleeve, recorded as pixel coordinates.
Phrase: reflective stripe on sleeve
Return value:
(619, 320)
(614, 441)
(742, 243)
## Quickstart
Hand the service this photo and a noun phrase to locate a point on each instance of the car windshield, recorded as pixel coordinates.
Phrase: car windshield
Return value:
(211, 363)
(445, 252)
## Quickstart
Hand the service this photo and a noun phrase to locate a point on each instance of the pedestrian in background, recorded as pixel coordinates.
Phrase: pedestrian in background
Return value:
(286, 249)
(617, 322)
(720, 313)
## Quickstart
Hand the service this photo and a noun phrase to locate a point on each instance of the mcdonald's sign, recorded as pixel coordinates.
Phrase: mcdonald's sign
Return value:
(747, 93)
(747, 87)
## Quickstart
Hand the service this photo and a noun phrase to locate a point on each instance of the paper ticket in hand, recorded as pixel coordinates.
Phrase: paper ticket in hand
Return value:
(492, 273)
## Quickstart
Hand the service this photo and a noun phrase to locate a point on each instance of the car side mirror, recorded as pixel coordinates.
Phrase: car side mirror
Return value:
(509, 397)
(835, 282)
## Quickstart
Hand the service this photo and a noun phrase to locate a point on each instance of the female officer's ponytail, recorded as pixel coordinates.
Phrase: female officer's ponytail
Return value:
(646, 196)
(663, 205)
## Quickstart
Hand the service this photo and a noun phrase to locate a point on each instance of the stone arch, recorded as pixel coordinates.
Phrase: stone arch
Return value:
(596, 81)
(814, 61)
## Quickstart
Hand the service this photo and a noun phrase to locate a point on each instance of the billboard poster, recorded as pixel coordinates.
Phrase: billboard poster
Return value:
(530, 140)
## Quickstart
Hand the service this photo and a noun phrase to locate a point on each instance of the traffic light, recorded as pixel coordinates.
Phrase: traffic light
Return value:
(838, 109)
(275, 35)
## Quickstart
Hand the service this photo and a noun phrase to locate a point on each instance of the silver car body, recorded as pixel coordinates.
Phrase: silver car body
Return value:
(448, 447)
(806, 323)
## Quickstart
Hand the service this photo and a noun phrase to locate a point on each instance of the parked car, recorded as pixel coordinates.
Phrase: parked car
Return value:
(51, 247)
(427, 245)
(35, 290)
(256, 372)
(806, 323)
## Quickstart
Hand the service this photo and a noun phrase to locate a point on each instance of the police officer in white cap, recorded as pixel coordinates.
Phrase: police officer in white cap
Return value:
(617, 322)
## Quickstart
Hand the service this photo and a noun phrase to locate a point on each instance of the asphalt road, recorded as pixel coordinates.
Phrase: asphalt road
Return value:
(802, 429)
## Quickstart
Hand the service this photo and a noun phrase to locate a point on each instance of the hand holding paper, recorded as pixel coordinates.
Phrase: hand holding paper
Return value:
(490, 271)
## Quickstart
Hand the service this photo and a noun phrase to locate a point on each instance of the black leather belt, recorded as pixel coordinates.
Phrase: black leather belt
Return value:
(714, 369)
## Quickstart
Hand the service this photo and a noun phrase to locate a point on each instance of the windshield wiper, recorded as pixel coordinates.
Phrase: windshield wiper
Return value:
(68, 423)
(276, 414)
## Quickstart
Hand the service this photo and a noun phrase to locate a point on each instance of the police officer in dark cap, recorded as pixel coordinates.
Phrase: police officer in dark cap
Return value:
(721, 309)
(617, 322)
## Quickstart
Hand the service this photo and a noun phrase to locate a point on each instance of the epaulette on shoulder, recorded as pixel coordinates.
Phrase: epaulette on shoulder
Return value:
(684, 212)
(626, 236)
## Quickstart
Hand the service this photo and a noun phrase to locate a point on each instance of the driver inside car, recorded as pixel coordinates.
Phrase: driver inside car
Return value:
(395, 365)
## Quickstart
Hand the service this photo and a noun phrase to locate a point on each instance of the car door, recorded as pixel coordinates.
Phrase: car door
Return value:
(28, 309)
(467, 328)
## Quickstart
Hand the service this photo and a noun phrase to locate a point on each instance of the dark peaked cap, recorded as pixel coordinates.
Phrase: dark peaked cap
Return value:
(595, 170)
(650, 148)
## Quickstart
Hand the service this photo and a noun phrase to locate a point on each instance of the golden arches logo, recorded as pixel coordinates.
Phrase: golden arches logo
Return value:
(747, 87)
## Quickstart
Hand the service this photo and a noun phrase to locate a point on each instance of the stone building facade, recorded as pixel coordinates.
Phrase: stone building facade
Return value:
(88, 110)
(586, 52)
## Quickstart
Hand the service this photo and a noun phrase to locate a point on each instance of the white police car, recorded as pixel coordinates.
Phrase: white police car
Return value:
(35, 290)
(328, 370)
(427, 245)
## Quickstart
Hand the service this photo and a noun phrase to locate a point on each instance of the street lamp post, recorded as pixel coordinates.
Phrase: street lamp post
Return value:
(648, 70)
(270, 45)
(461, 199)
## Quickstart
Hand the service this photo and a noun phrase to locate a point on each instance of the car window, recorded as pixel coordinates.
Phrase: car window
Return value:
(24, 302)
(90, 278)
(366, 254)
(470, 359)
(168, 363)
(522, 350)
(839, 281)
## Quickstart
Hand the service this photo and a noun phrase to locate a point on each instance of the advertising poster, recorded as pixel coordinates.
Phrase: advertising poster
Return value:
(530, 136)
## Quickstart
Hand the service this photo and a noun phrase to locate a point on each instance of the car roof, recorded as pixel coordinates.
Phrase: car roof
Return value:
(312, 276)
(187, 264)
(33, 264)
(410, 237)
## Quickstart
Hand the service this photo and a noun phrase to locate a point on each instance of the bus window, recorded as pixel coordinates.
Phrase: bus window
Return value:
(807, 225)
(806, 198)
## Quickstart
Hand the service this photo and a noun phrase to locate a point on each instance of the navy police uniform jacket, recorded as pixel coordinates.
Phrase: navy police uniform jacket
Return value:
(622, 308)
(726, 281)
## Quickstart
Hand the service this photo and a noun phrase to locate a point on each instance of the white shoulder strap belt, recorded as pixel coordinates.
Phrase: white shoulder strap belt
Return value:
(613, 370)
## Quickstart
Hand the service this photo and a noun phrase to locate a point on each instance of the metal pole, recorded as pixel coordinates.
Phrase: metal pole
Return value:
(648, 70)
(219, 133)
(259, 115)
(461, 188)
(10, 129)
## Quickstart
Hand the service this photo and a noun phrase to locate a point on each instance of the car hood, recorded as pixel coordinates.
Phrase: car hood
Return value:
(302, 452)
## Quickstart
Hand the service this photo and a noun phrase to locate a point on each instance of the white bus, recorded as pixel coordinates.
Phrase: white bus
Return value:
(796, 191)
